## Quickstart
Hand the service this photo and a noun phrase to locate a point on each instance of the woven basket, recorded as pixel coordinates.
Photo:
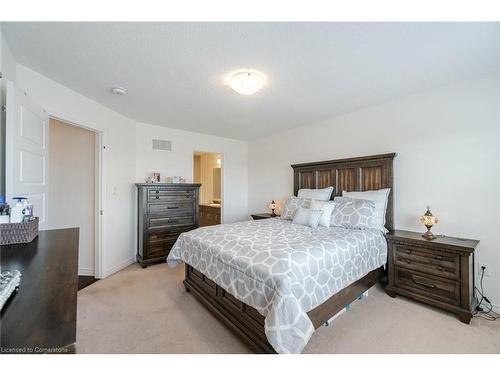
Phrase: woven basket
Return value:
(11, 233)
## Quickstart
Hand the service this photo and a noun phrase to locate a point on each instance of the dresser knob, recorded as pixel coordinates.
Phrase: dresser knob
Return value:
(440, 268)
(438, 257)
(408, 261)
(408, 251)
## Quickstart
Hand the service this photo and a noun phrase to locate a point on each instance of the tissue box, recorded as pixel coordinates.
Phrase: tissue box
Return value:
(11, 233)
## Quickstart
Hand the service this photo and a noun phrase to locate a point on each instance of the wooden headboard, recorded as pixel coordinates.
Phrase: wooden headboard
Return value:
(352, 174)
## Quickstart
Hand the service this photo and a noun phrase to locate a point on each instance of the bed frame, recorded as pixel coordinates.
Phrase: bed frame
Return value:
(352, 174)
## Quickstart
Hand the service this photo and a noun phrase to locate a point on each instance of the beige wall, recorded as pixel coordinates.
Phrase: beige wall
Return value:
(71, 199)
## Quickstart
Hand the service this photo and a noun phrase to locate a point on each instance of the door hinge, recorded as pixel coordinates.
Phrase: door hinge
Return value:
(101, 212)
(4, 108)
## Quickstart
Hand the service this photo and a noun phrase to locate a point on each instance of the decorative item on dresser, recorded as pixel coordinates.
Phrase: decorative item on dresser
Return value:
(439, 272)
(165, 211)
(264, 215)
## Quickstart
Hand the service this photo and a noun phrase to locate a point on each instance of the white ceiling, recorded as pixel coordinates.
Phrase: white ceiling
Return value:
(174, 71)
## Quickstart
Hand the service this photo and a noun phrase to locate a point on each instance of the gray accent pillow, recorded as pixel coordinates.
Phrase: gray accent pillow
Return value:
(292, 204)
(307, 217)
(352, 213)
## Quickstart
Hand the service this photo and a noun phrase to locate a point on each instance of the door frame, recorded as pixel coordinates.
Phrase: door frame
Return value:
(99, 187)
(222, 190)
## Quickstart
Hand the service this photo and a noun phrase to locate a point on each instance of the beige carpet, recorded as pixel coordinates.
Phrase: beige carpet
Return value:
(147, 311)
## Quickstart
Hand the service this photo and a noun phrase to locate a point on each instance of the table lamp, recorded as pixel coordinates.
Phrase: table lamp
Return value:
(428, 219)
(273, 206)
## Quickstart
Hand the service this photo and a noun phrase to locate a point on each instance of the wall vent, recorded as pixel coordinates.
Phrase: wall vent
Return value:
(160, 144)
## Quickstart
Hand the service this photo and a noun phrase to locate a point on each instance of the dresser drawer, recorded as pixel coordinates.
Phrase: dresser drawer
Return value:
(171, 208)
(159, 195)
(169, 221)
(433, 287)
(159, 243)
(432, 262)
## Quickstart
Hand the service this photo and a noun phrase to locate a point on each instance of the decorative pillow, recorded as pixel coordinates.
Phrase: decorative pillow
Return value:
(308, 217)
(291, 205)
(352, 213)
(318, 194)
(380, 198)
(326, 208)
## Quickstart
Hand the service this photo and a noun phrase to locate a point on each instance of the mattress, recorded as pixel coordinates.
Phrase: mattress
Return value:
(281, 269)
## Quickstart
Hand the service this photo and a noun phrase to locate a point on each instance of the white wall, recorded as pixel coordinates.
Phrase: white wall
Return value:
(71, 198)
(8, 69)
(447, 141)
(119, 158)
(179, 162)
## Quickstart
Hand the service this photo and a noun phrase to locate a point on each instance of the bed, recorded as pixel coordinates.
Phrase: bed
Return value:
(273, 282)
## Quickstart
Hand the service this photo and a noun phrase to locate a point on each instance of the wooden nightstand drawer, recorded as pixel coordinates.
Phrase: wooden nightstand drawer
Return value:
(426, 285)
(428, 261)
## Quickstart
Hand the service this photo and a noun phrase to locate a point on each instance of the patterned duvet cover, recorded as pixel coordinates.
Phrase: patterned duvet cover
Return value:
(281, 269)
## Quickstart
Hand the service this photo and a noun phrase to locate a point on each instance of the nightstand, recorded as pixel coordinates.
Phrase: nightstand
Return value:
(262, 216)
(438, 272)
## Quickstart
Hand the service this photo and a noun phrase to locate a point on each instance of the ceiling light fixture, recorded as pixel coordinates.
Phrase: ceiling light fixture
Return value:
(118, 91)
(246, 81)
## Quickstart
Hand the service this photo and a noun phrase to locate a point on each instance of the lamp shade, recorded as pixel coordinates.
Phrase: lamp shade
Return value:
(428, 219)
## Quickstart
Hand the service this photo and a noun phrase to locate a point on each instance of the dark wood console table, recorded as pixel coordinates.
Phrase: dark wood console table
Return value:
(41, 316)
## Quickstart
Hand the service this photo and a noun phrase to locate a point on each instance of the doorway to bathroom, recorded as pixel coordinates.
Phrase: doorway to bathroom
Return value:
(207, 171)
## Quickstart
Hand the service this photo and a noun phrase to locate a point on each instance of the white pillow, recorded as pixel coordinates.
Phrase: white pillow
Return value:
(379, 197)
(308, 217)
(326, 208)
(318, 194)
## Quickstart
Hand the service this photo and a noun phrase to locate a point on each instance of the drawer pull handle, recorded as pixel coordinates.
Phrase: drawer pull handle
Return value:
(438, 257)
(408, 261)
(172, 221)
(157, 191)
(157, 197)
(423, 283)
(440, 268)
(408, 251)
(173, 207)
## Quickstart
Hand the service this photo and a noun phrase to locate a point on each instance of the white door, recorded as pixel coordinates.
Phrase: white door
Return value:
(26, 151)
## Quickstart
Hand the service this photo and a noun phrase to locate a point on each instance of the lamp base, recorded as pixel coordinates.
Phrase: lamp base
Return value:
(273, 214)
(429, 235)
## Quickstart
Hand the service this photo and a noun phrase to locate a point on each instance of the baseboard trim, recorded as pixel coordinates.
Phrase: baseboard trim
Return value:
(119, 267)
(86, 272)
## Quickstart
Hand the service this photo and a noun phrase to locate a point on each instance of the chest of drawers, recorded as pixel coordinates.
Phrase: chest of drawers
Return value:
(164, 212)
(439, 272)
